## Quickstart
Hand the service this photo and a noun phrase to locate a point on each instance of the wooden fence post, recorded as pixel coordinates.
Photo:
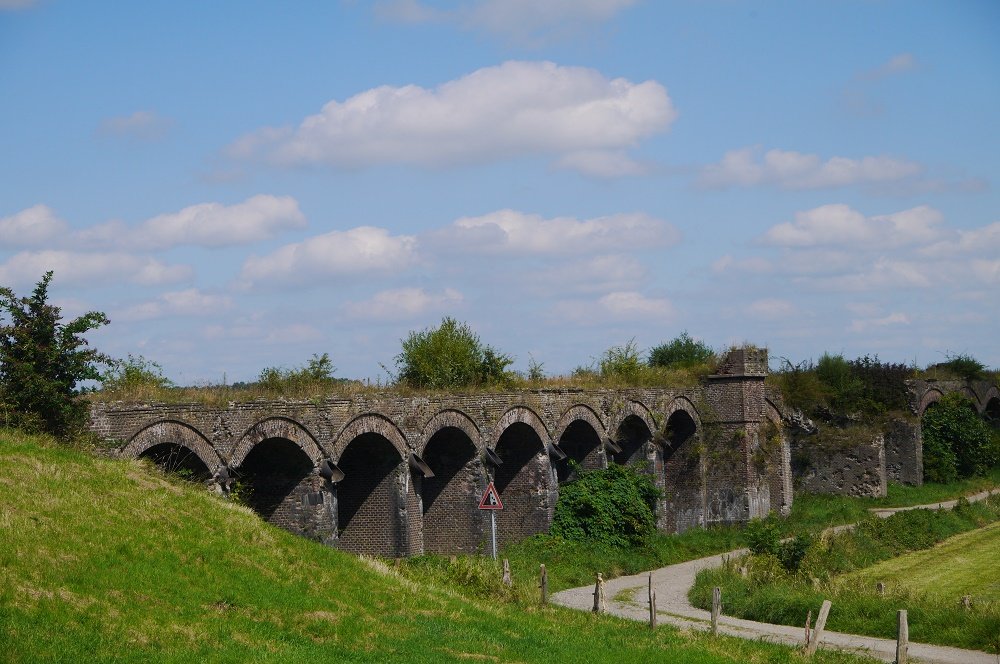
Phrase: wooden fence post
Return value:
(902, 637)
(506, 573)
(809, 618)
(543, 583)
(600, 604)
(716, 608)
(817, 633)
(652, 602)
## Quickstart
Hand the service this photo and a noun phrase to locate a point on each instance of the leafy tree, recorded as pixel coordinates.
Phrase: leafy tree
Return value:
(622, 362)
(965, 367)
(957, 442)
(42, 360)
(681, 352)
(450, 355)
(614, 506)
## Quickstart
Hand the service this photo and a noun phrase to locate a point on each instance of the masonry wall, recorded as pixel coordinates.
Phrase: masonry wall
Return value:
(851, 466)
(904, 451)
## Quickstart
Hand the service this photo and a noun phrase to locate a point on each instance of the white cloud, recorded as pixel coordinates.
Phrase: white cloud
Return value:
(403, 304)
(521, 20)
(189, 302)
(841, 225)
(599, 274)
(33, 226)
(794, 170)
(208, 225)
(513, 232)
(293, 334)
(975, 241)
(862, 324)
(141, 125)
(362, 250)
(883, 274)
(770, 309)
(511, 110)
(620, 306)
(88, 268)
(604, 164)
(750, 264)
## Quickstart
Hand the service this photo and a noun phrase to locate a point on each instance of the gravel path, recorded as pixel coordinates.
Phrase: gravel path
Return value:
(673, 583)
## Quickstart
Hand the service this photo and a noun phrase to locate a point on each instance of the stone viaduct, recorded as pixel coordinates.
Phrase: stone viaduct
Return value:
(396, 475)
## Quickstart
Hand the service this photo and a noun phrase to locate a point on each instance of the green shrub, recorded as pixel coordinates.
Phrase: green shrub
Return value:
(134, 373)
(316, 374)
(763, 537)
(622, 363)
(450, 355)
(43, 359)
(681, 352)
(612, 506)
(957, 442)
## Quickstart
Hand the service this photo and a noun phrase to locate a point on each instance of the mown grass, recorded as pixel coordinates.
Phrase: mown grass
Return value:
(106, 561)
(769, 593)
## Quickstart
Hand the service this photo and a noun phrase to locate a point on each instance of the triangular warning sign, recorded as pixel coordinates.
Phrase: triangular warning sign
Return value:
(491, 499)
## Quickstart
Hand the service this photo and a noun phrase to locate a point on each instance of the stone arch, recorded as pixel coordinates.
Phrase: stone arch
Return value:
(523, 415)
(377, 502)
(579, 433)
(370, 423)
(971, 395)
(779, 459)
(682, 469)
(451, 418)
(633, 428)
(681, 404)
(276, 427)
(177, 433)
(991, 407)
(524, 479)
(930, 397)
(451, 521)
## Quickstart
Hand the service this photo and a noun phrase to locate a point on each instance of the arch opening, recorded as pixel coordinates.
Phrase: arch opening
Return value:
(178, 460)
(992, 412)
(632, 436)
(369, 497)
(582, 446)
(522, 481)
(279, 479)
(452, 524)
(682, 481)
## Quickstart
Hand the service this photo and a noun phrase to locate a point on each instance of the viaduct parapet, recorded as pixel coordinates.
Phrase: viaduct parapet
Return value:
(398, 475)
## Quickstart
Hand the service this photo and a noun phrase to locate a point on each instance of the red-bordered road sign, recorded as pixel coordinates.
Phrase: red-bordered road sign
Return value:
(491, 499)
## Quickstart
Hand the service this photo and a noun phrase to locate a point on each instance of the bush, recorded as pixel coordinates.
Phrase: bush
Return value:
(622, 362)
(612, 506)
(317, 373)
(42, 360)
(134, 373)
(450, 355)
(957, 442)
(763, 537)
(681, 352)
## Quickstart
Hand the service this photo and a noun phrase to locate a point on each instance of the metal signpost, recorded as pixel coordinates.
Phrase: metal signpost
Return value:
(491, 501)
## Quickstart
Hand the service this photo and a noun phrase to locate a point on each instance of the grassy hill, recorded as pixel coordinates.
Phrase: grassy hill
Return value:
(109, 561)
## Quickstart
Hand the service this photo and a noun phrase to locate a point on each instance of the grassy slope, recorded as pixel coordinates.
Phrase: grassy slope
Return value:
(967, 564)
(107, 561)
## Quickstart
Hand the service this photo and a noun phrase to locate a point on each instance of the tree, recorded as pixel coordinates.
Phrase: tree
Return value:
(42, 360)
(681, 352)
(957, 442)
(450, 355)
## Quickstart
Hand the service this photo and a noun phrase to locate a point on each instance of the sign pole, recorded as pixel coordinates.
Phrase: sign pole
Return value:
(493, 524)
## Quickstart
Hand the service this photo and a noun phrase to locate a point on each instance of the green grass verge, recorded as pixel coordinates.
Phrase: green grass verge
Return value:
(105, 561)
(771, 594)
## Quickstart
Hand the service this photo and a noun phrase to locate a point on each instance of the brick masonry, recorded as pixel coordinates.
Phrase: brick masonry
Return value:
(703, 445)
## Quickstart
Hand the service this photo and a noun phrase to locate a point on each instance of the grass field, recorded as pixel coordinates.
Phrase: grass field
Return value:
(108, 561)
(967, 564)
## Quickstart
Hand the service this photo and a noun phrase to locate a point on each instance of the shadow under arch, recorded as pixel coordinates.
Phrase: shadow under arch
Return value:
(173, 445)
(579, 434)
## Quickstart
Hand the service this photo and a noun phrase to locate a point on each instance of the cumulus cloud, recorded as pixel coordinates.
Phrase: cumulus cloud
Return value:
(189, 302)
(862, 324)
(403, 304)
(967, 242)
(362, 250)
(795, 170)
(770, 309)
(600, 274)
(141, 125)
(620, 306)
(206, 224)
(842, 225)
(521, 20)
(89, 268)
(572, 114)
(513, 232)
(31, 227)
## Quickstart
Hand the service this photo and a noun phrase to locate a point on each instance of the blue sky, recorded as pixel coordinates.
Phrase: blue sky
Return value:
(243, 184)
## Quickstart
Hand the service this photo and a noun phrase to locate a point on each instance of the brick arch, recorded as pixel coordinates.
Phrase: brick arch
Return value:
(636, 408)
(451, 418)
(971, 395)
(176, 432)
(276, 427)
(772, 413)
(932, 395)
(524, 415)
(581, 412)
(371, 423)
(682, 404)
